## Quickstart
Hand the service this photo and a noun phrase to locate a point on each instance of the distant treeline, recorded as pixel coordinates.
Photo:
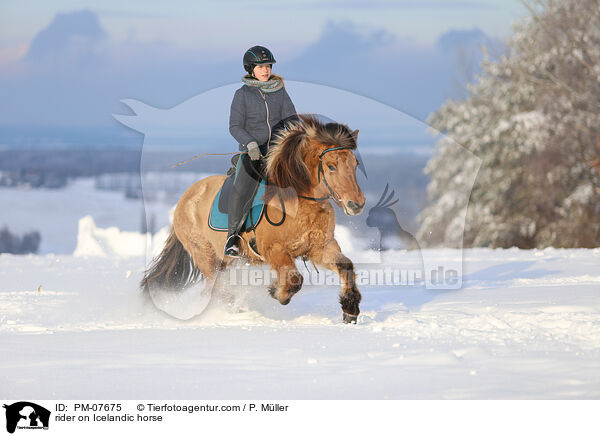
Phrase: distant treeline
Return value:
(47, 168)
(52, 168)
(13, 244)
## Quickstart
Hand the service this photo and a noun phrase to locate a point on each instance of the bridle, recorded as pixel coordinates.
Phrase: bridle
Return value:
(332, 194)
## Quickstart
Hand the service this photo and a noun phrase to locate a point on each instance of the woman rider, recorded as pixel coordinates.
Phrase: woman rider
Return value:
(259, 108)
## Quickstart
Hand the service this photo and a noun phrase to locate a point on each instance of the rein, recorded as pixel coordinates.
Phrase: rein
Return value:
(203, 154)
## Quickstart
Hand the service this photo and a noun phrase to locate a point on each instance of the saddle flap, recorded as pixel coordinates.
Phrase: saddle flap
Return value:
(218, 217)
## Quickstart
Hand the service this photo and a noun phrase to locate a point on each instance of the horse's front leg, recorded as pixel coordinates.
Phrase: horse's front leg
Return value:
(289, 279)
(331, 257)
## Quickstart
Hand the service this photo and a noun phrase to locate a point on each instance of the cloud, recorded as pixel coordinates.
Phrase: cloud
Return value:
(461, 38)
(413, 78)
(70, 36)
(339, 41)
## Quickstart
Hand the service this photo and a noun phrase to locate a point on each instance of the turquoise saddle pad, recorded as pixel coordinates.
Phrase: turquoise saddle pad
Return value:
(217, 220)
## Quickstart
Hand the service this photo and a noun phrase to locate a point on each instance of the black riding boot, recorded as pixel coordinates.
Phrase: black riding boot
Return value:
(238, 210)
(240, 200)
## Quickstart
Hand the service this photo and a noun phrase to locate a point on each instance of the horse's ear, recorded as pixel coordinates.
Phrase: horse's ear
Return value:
(285, 164)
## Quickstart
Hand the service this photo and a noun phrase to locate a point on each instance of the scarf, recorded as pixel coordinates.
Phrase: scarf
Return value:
(275, 83)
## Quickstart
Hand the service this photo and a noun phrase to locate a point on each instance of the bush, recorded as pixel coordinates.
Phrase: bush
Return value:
(28, 243)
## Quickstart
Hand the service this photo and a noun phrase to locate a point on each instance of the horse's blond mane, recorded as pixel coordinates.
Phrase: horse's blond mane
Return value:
(287, 160)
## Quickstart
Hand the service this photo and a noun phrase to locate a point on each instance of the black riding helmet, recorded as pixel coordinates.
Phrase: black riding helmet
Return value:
(257, 55)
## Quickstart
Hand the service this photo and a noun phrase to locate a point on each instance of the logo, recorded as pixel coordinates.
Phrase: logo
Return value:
(391, 234)
(26, 415)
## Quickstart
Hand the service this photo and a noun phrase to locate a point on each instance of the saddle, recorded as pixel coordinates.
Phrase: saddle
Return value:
(218, 217)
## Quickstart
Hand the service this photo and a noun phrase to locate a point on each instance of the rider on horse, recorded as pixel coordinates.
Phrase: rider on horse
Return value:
(259, 109)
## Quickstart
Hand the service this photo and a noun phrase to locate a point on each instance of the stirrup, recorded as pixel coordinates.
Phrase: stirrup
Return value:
(232, 250)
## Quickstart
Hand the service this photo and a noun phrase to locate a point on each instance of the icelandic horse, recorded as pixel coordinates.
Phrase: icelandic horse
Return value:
(309, 164)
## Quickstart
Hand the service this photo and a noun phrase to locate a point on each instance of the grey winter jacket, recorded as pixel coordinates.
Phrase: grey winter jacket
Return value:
(248, 116)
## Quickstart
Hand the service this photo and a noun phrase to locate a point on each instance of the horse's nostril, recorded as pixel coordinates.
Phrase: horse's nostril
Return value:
(354, 206)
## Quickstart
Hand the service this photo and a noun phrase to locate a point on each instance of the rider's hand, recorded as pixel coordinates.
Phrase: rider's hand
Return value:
(253, 151)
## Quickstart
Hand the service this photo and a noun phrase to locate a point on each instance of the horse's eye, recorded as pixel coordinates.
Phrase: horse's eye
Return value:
(331, 167)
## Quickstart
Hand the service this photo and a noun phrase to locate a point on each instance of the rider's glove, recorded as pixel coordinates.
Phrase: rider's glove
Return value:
(253, 151)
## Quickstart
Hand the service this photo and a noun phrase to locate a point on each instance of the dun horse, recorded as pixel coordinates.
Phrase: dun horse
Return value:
(310, 164)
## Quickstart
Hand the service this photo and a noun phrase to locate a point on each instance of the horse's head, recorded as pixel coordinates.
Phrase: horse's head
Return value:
(338, 178)
(316, 160)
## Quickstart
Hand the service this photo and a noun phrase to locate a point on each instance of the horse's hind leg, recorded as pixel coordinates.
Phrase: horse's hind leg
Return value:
(289, 279)
(203, 255)
(331, 257)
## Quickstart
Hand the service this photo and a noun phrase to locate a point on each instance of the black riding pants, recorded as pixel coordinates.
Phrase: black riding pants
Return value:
(248, 175)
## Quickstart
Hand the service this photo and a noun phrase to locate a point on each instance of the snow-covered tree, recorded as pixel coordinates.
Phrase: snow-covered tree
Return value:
(533, 118)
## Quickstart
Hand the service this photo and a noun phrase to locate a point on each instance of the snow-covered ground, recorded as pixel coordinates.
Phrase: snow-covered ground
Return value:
(525, 324)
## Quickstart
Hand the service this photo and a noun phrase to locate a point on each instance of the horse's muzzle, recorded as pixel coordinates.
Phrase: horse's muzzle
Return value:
(354, 208)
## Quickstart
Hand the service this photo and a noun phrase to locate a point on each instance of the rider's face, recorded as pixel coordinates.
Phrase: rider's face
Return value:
(262, 72)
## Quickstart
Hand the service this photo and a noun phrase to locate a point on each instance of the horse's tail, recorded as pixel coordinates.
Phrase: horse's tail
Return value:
(173, 268)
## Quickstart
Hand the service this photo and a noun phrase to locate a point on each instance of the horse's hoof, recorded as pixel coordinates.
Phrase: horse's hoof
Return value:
(349, 319)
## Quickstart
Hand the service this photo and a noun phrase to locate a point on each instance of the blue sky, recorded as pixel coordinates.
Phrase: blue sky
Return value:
(68, 63)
